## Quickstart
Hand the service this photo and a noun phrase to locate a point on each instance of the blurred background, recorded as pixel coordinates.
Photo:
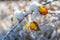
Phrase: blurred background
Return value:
(7, 8)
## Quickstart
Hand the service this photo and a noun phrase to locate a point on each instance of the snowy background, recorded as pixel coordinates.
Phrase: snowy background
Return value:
(6, 11)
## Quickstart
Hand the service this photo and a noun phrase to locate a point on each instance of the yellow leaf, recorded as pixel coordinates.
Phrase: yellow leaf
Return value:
(43, 10)
(33, 26)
